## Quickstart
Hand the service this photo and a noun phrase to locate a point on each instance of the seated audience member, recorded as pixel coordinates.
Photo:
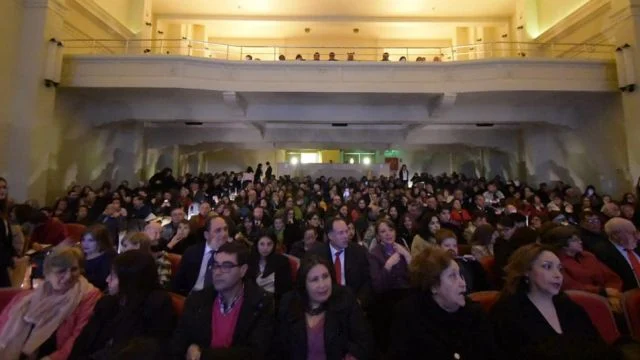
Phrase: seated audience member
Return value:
(248, 57)
(479, 218)
(182, 239)
(316, 56)
(136, 315)
(610, 210)
(620, 253)
(402, 59)
(385, 57)
(426, 234)
(82, 216)
(300, 248)
(470, 268)
(112, 219)
(482, 241)
(199, 257)
(591, 231)
(351, 56)
(321, 319)
(436, 321)
(533, 319)
(445, 222)
(350, 261)
(458, 214)
(299, 58)
(171, 229)
(198, 222)
(282, 58)
(98, 253)
(45, 322)
(510, 238)
(153, 230)
(332, 56)
(233, 319)
(581, 270)
(46, 230)
(389, 260)
(270, 270)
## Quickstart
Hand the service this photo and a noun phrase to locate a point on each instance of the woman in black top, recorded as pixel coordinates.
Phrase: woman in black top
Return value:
(533, 319)
(99, 253)
(270, 271)
(7, 251)
(436, 321)
(136, 317)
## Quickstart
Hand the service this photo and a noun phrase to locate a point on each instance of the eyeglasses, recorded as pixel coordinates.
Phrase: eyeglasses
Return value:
(224, 267)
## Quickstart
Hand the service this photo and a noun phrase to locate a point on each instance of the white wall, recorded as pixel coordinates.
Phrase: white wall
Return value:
(552, 11)
(119, 9)
(10, 26)
(594, 153)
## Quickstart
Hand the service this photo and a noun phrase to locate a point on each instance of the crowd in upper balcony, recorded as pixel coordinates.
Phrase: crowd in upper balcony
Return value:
(303, 268)
(350, 57)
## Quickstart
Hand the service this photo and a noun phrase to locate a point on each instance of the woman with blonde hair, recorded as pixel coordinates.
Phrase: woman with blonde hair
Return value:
(44, 323)
(534, 319)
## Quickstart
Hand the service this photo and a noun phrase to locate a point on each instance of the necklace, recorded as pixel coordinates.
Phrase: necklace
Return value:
(317, 311)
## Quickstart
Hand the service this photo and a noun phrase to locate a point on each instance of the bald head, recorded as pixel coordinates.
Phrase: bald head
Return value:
(622, 232)
(153, 230)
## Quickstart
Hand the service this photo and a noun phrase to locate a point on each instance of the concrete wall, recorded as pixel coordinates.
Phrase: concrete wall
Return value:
(551, 12)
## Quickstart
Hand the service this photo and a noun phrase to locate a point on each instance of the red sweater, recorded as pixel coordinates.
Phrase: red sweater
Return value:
(51, 232)
(585, 272)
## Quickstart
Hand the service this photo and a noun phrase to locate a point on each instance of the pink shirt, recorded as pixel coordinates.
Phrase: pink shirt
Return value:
(223, 326)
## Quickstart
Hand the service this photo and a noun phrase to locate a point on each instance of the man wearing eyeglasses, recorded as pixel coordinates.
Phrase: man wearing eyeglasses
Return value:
(192, 274)
(234, 319)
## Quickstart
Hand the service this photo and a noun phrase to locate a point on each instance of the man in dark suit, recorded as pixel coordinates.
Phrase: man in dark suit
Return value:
(351, 261)
(621, 253)
(197, 258)
(233, 319)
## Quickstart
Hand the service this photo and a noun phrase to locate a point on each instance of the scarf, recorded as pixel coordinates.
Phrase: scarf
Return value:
(35, 317)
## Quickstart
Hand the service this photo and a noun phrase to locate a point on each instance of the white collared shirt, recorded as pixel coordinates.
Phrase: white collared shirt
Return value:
(342, 280)
(203, 267)
(625, 254)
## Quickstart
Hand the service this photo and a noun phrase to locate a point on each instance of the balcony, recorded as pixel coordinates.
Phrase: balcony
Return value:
(484, 67)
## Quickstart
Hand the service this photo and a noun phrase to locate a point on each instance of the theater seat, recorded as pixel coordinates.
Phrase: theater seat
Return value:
(464, 249)
(294, 262)
(74, 231)
(488, 263)
(600, 313)
(174, 259)
(178, 303)
(7, 294)
(631, 305)
(485, 298)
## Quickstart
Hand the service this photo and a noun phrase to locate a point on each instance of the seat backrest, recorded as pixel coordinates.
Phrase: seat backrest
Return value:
(600, 313)
(7, 294)
(174, 259)
(75, 231)
(177, 301)
(631, 305)
(464, 249)
(485, 298)
(294, 262)
(488, 263)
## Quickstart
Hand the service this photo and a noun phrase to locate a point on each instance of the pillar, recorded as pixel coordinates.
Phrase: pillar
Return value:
(524, 26)
(625, 17)
(141, 22)
(199, 37)
(33, 130)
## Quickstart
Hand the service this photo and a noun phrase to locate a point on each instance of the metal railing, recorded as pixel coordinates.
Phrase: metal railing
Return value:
(187, 47)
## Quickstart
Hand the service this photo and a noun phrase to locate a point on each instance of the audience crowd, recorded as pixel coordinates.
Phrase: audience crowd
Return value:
(350, 57)
(302, 268)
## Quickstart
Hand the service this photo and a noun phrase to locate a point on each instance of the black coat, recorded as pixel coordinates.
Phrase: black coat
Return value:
(356, 268)
(422, 329)
(523, 332)
(7, 252)
(613, 259)
(346, 330)
(113, 327)
(189, 269)
(276, 263)
(253, 334)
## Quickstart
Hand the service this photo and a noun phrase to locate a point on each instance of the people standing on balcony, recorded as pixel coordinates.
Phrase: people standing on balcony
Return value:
(385, 56)
(332, 56)
(258, 174)
(299, 58)
(248, 57)
(282, 58)
(350, 56)
(316, 56)
(403, 59)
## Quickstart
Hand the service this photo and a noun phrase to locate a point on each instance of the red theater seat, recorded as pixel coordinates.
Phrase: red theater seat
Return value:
(485, 298)
(631, 304)
(600, 313)
(294, 262)
(488, 263)
(74, 231)
(178, 303)
(7, 294)
(174, 259)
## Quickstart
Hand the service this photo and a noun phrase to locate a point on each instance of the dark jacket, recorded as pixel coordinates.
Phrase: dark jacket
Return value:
(356, 265)
(189, 269)
(276, 263)
(610, 256)
(422, 329)
(383, 280)
(112, 327)
(523, 332)
(590, 240)
(346, 330)
(253, 334)
(7, 252)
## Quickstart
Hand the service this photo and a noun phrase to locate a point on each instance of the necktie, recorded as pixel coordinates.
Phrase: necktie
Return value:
(635, 264)
(337, 264)
(208, 275)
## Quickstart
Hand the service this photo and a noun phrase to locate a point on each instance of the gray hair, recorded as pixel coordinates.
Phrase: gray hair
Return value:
(63, 258)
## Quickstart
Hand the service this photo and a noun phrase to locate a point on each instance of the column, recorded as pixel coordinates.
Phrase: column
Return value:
(33, 130)
(625, 16)
(140, 18)
(460, 40)
(524, 26)
(199, 37)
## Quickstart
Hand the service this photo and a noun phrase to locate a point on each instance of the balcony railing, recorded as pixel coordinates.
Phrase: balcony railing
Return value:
(187, 47)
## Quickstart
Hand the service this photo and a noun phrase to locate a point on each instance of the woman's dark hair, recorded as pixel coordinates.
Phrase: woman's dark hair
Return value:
(305, 267)
(137, 274)
(269, 235)
(387, 222)
(482, 235)
(423, 228)
(519, 264)
(101, 235)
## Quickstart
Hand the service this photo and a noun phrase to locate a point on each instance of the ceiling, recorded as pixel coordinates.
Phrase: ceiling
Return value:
(332, 8)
